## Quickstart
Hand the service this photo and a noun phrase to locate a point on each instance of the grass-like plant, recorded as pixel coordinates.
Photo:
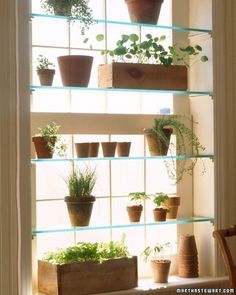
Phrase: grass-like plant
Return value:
(82, 252)
(138, 197)
(81, 183)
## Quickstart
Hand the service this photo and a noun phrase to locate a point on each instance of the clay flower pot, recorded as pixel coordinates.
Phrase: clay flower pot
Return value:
(159, 214)
(93, 149)
(123, 149)
(109, 148)
(82, 149)
(144, 11)
(75, 70)
(42, 148)
(172, 203)
(134, 213)
(160, 269)
(46, 76)
(156, 146)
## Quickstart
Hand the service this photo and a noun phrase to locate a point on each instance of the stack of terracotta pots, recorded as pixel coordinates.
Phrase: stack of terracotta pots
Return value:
(187, 257)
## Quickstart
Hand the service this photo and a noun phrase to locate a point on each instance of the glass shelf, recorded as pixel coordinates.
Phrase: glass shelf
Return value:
(176, 28)
(117, 226)
(180, 92)
(120, 158)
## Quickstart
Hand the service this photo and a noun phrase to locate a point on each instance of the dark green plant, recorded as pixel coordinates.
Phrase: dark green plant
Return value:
(138, 197)
(51, 133)
(75, 9)
(130, 48)
(81, 183)
(185, 138)
(82, 252)
(159, 199)
(43, 63)
(157, 251)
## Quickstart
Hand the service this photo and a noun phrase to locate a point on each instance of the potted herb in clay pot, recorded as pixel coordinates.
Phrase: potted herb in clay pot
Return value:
(144, 11)
(160, 211)
(80, 200)
(45, 70)
(48, 141)
(135, 207)
(85, 269)
(146, 64)
(158, 140)
(160, 266)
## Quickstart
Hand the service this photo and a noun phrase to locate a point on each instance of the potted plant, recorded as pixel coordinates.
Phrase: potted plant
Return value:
(144, 11)
(146, 64)
(160, 211)
(135, 208)
(87, 268)
(185, 137)
(45, 70)
(160, 266)
(80, 200)
(48, 141)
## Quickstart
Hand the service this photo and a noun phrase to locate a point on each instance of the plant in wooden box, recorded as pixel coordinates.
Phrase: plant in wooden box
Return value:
(48, 141)
(135, 208)
(80, 200)
(160, 211)
(160, 266)
(158, 139)
(146, 64)
(87, 268)
(45, 70)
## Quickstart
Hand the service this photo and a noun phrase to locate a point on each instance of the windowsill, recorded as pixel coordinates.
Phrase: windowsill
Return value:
(147, 286)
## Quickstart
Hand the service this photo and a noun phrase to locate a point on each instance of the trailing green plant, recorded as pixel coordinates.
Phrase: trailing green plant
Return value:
(75, 9)
(138, 197)
(81, 183)
(185, 138)
(150, 49)
(159, 199)
(43, 63)
(157, 252)
(54, 141)
(82, 252)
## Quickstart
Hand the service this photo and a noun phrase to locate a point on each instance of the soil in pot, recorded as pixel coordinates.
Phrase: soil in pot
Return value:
(80, 209)
(144, 11)
(109, 148)
(93, 149)
(159, 214)
(75, 70)
(123, 149)
(42, 148)
(82, 149)
(160, 269)
(156, 146)
(134, 213)
(46, 76)
(173, 205)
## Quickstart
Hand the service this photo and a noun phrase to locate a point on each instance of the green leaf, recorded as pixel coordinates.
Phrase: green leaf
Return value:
(162, 38)
(128, 56)
(120, 50)
(100, 37)
(125, 37)
(204, 58)
(148, 36)
(85, 40)
(198, 47)
(133, 37)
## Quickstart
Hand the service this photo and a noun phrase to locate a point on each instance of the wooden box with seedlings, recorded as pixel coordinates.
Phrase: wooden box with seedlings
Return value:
(87, 268)
(146, 64)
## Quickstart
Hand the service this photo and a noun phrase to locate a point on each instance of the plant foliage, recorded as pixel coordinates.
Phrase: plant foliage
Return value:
(159, 199)
(138, 197)
(43, 63)
(157, 251)
(130, 48)
(82, 252)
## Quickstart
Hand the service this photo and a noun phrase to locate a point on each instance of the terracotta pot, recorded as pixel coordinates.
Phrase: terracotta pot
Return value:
(109, 148)
(82, 149)
(64, 10)
(75, 70)
(93, 149)
(80, 209)
(187, 245)
(134, 213)
(172, 204)
(42, 148)
(144, 11)
(156, 146)
(160, 269)
(46, 77)
(159, 214)
(123, 149)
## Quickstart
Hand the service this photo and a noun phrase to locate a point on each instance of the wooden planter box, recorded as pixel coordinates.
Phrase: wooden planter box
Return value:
(87, 277)
(142, 76)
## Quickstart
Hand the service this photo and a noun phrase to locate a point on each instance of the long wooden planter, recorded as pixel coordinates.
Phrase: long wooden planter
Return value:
(87, 277)
(144, 76)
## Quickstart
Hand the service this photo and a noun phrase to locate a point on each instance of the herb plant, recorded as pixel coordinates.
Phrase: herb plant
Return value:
(159, 199)
(82, 252)
(43, 63)
(130, 48)
(138, 197)
(81, 183)
(157, 251)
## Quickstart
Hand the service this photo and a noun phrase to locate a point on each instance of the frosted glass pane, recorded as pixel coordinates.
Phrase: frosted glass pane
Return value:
(123, 103)
(88, 102)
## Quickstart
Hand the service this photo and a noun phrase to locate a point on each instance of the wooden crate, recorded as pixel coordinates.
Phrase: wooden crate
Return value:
(142, 76)
(87, 277)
